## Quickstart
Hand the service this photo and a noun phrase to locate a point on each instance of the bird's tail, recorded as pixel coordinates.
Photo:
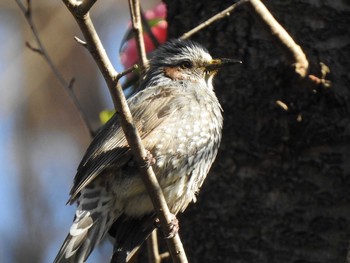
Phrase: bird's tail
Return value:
(93, 218)
(85, 233)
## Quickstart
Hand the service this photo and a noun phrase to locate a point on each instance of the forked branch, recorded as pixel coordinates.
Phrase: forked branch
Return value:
(41, 50)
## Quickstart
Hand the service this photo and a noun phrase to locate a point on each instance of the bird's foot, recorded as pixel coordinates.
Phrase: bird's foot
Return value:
(149, 159)
(173, 226)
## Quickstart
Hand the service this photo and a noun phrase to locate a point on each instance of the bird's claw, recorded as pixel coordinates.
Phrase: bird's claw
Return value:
(149, 159)
(173, 226)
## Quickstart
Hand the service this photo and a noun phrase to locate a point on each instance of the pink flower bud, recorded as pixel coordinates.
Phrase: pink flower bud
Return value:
(156, 19)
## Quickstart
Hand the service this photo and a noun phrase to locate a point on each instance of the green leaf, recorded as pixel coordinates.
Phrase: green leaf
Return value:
(106, 115)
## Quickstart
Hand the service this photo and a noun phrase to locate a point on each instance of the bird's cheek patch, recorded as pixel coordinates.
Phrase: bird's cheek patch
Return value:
(174, 73)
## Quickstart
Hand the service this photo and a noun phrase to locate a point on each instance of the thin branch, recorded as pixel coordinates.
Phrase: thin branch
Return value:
(153, 249)
(127, 71)
(164, 255)
(95, 47)
(134, 6)
(41, 50)
(152, 241)
(81, 42)
(97, 51)
(153, 188)
(224, 13)
(34, 49)
(293, 50)
(23, 8)
(149, 30)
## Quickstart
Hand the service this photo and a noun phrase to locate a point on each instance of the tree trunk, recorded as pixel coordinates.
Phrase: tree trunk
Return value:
(279, 189)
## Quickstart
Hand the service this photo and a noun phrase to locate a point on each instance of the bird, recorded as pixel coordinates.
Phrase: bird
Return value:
(179, 119)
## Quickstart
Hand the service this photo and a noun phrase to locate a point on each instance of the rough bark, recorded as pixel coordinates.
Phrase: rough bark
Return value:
(279, 189)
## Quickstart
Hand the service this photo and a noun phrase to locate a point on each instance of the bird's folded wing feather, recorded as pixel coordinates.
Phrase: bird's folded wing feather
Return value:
(109, 148)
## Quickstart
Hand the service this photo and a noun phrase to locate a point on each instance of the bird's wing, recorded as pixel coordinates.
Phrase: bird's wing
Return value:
(110, 149)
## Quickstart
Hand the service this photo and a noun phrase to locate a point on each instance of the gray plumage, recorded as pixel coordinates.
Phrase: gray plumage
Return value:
(179, 119)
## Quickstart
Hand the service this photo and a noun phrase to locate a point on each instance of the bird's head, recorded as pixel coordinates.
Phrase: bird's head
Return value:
(184, 60)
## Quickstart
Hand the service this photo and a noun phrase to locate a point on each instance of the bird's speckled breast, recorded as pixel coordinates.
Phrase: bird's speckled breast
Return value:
(184, 150)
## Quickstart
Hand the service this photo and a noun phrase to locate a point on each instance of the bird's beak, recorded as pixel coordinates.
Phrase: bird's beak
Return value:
(215, 64)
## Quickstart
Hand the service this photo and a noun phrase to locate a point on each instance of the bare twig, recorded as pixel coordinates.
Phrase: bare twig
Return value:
(164, 255)
(224, 13)
(138, 31)
(175, 244)
(135, 10)
(127, 71)
(149, 178)
(34, 49)
(25, 11)
(293, 50)
(97, 51)
(149, 30)
(68, 86)
(153, 249)
(81, 42)
(95, 47)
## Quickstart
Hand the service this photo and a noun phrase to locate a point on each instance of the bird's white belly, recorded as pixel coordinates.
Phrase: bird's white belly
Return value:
(136, 201)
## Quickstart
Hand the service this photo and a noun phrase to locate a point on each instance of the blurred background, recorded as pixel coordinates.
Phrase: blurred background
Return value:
(41, 135)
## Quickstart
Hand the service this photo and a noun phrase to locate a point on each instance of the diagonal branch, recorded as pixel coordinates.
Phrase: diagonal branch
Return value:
(224, 13)
(292, 49)
(153, 250)
(95, 47)
(134, 6)
(137, 21)
(149, 30)
(41, 50)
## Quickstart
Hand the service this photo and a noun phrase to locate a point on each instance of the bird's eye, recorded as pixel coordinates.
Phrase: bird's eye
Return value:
(186, 64)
